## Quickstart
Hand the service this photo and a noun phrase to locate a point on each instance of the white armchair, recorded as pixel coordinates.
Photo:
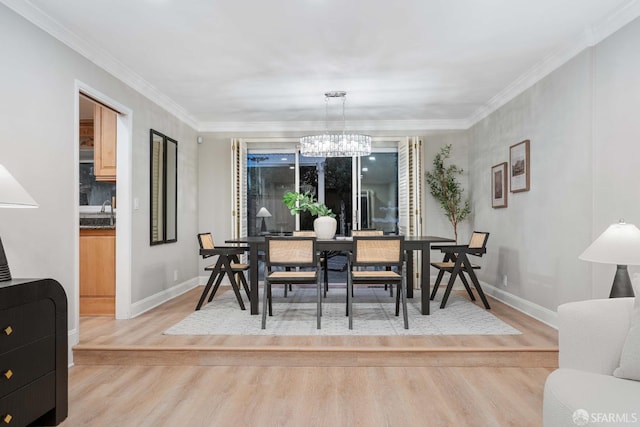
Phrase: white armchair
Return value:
(591, 337)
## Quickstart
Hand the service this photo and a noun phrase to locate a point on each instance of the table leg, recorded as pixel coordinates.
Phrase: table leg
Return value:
(409, 255)
(253, 278)
(425, 278)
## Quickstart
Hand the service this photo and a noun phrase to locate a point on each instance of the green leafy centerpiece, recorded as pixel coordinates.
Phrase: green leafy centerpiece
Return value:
(325, 225)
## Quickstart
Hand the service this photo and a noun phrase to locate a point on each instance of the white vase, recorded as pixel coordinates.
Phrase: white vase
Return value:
(325, 227)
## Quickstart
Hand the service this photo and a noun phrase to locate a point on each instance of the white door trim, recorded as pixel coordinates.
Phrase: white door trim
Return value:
(124, 191)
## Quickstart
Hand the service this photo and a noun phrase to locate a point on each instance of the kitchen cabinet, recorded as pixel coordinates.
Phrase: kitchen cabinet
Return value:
(104, 143)
(86, 134)
(97, 271)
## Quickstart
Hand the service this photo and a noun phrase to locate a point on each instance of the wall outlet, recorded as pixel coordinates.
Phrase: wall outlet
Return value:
(175, 275)
(504, 280)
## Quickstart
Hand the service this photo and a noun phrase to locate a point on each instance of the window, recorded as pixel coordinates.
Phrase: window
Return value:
(374, 203)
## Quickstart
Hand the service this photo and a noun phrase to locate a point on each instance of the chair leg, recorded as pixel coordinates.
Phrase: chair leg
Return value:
(235, 288)
(270, 297)
(398, 300)
(325, 271)
(403, 289)
(206, 290)
(285, 285)
(215, 287)
(350, 300)
(346, 311)
(319, 307)
(474, 279)
(245, 285)
(264, 304)
(452, 279)
(466, 285)
(436, 285)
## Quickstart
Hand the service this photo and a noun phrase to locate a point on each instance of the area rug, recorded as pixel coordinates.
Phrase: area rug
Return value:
(374, 314)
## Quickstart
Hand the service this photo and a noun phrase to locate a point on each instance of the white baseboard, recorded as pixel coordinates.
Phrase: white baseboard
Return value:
(536, 311)
(153, 301)
(142, 306)
(73, 338)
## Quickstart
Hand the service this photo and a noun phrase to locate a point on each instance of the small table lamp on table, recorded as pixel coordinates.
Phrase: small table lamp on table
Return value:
(620, 245)
(263, 213)
(12, 195)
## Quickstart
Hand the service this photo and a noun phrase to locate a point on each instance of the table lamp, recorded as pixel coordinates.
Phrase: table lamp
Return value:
(620, 245)
(12, 195)
(263, 213)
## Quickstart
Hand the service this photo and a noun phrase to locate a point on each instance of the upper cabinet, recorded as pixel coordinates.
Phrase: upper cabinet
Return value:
(104, 143)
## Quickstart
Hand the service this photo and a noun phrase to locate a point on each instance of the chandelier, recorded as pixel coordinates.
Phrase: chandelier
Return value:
(335, 144)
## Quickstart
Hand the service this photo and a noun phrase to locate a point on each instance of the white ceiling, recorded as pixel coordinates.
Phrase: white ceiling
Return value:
(265, 64)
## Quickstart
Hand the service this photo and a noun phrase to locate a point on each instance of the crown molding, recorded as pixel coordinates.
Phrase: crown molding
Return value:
(614, 21)
(317, 126)
(99, 57)
(629, 11)
(589, 37)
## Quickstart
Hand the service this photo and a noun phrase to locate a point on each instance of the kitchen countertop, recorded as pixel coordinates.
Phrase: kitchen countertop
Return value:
(97, 221)
(97, 227)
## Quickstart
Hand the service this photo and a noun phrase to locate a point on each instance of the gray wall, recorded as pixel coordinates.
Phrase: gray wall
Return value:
(37, 146)
(584, 132)
(616, 140)
(214, 195)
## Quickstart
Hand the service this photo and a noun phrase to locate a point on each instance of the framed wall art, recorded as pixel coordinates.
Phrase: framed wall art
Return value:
(520, 164)
(499, 185)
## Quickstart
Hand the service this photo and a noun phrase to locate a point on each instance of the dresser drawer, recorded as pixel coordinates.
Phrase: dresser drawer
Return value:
(28, 403)
(24, 364)
(26, 323)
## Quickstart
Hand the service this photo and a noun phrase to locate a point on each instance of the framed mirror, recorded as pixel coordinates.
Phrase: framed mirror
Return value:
(164, 189)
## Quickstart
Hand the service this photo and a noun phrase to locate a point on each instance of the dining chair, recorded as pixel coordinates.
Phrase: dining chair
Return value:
(323, 260)
(372, 232)
(227, 264)
(456, 263)
(366, 233)
(376, 251)
(291, 252)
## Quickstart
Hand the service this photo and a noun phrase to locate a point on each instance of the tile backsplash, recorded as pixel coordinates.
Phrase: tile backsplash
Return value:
(93, 192)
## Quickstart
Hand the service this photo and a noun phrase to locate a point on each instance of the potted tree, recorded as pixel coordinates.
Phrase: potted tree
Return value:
(446, 189)
(325, 225)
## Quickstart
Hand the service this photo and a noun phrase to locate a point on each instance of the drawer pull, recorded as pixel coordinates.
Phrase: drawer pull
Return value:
(7, 418)
(8, 374)
(8, 330)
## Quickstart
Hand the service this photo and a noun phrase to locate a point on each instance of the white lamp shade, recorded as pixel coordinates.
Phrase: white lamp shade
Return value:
(263, 213)
(619, 244)
(12, 194)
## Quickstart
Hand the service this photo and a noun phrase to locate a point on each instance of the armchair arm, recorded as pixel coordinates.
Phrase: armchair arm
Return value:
(592, 333)
(449, 248)
(218, 250)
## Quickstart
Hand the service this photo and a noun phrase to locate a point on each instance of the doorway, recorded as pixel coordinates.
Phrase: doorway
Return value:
(97, 206)
(123, 190)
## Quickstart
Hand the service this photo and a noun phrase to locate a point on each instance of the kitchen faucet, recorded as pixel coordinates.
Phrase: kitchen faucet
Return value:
(108, 202)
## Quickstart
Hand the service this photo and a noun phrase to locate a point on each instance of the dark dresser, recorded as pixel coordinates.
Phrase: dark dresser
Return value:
(33, 352)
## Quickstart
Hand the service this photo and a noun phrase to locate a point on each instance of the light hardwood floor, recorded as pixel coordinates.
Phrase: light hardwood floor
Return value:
(128, 374)
(290, 396)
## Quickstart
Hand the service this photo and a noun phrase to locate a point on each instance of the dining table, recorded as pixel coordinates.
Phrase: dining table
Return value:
(411, 244)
